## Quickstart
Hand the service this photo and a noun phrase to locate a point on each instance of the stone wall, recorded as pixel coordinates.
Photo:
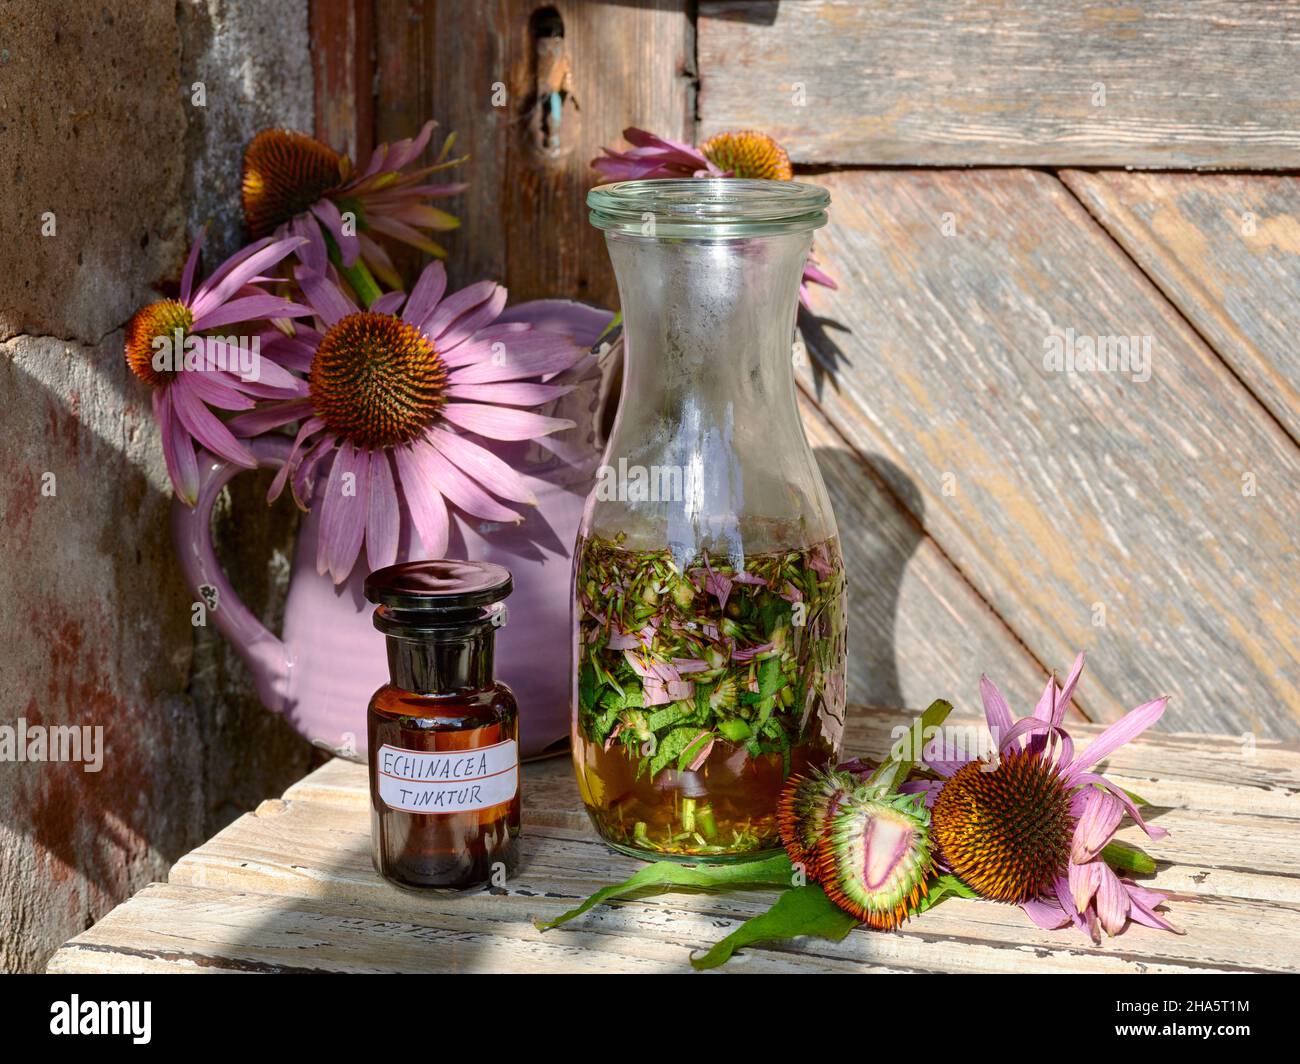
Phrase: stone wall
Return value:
(109, 163)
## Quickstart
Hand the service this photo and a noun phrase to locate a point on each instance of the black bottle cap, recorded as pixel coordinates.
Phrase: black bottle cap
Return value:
(438, 584)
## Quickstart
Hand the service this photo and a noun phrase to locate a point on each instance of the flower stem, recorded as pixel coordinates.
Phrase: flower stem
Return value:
(358, 275)
(360, 278)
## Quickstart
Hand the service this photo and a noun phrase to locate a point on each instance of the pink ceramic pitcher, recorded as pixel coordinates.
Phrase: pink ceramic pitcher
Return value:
(321, 671)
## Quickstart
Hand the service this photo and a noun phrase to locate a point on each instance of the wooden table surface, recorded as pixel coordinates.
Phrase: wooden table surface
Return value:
(289, 888)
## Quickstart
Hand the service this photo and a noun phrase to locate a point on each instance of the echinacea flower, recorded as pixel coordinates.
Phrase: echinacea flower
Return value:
(294, 184)
(405, 400)
(652, 156)
(170, 346)
(1029, 826)
(746, 154)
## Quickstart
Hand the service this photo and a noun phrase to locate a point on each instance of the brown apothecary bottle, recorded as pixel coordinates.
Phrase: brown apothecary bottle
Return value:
(444, 734)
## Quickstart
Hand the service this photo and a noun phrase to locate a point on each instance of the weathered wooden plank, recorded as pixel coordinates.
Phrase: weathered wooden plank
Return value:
(302, 851)
(488, 70)
(342, 48)
(1168, 83)
(1147, 515)
(902, 591)
(169, 928)
(291, 887)
(1225, 249)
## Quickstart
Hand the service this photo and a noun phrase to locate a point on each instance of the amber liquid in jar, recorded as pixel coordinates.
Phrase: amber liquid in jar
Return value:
(443, 735)
(701, 690)
(442, 848)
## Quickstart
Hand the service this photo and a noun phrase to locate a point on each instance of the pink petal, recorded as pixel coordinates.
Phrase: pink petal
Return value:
(1142, 907)
(242, 254)
(1097, 823)
(520, 355)
(191, 263)
(178, 451)
(426, 293)
(996, 711)
(384, 517)
(269, 416)
(461, 490)
(1024, 726)
(1089, 778)
(1112, 900)
(308, 427)
(479, 317)
(427, 509)
(343, 517)
(1127, 728)
(249, 308)
(581, 323)
(1062, 700)
(1084, 879)
(406, 151)
(209, 298)
(326, 298)
(456, 305)
(1046, 702)
(502, 423)
(388, 303)
(206, 428)
(313, 254)
(510, 393)
(1046, 913)
(492, 472)
(219, 390)
(288, 352)
(1061, 887)
(303, 480)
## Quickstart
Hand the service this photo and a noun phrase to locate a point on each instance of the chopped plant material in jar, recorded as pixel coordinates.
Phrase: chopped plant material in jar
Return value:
(702, 689)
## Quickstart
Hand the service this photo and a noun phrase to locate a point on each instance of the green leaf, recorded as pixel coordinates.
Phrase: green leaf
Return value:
(673, 713)
(1126, 858)
(670, 746)
(770, 679)
(800, 911)
(942, 887)
(775, 871)
(893, 772)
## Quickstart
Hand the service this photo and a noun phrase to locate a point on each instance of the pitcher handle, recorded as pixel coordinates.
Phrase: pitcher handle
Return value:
(266, 656)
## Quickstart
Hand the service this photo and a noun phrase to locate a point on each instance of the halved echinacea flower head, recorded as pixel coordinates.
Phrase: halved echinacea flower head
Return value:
(294, 184)
(1029, 826)
(869, 850)
(404, 402)
(746, 154)
(173, 346)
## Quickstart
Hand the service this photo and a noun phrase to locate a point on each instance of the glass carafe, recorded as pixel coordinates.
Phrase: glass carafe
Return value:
(709, 587)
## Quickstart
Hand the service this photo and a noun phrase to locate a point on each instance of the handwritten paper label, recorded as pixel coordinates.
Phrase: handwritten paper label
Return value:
(449, 781)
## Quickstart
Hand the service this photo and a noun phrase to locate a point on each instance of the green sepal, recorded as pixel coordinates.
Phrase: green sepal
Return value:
(1126, 858)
